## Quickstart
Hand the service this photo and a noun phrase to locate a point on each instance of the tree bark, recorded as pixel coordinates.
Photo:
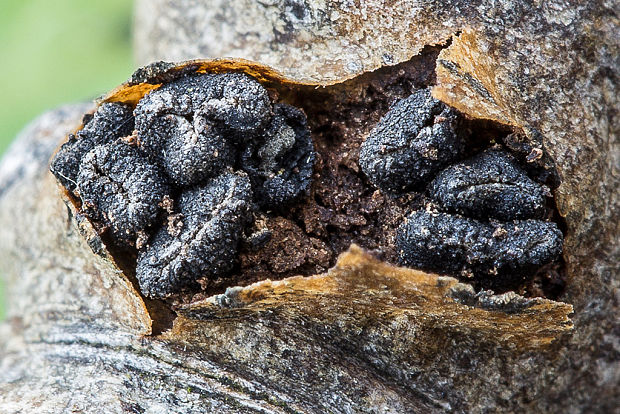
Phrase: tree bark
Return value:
(365, 337)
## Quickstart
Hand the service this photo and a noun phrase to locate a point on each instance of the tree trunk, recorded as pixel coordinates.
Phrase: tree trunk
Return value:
(364, 337)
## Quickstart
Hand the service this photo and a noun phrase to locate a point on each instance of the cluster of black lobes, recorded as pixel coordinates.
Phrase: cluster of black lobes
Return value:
(180, 175)
(485, 216)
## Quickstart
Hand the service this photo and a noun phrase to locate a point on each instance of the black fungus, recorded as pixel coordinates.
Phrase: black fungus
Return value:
(169, 188)
(66, 163)
(446, 243)
(280, 161)
(489, 185)
(190, 126)
(213, 218)
(242, 105)
(109, 122)
(198, 151)
(185, 189)
(120, 189)
(411, 143)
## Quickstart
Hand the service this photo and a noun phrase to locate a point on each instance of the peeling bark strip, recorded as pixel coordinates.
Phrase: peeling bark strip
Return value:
(74, 340)
(359, 283)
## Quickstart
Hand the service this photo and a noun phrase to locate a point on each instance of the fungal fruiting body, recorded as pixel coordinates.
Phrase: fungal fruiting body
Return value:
(207, 180)
(208, 152)
(444, 242)
(120, 188)
(280, 162)
(484, 217)
(489, 185)
(213, 217)
(412, 142)
(111, 121)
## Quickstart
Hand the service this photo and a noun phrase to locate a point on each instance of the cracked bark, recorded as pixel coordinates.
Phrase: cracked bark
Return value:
(365, 337)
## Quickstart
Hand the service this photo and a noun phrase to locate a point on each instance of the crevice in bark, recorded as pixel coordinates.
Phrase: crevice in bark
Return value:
(342, 206)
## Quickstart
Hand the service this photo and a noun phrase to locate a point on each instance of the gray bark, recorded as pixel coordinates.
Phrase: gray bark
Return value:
(364, 337)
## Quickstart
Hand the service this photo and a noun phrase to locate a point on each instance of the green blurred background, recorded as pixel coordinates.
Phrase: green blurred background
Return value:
(55, 52)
